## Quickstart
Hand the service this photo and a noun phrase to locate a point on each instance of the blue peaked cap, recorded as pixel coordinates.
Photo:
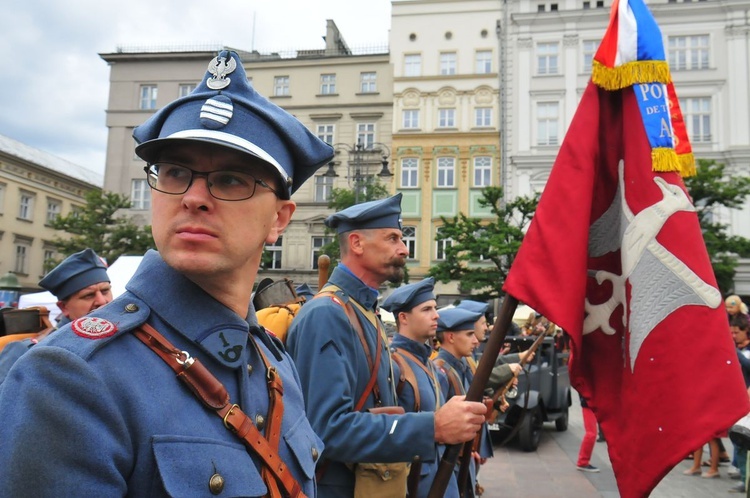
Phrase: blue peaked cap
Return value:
(457, 319)
(225, 109)
(383, 213)
(473, 306)
(406, 297)
(76, 272)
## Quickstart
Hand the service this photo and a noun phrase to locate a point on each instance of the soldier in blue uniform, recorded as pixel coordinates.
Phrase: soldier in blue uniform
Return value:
(81, 284)
(418, 387)
(333, 363)
(96, 410)
(507, 366)
(458, 339)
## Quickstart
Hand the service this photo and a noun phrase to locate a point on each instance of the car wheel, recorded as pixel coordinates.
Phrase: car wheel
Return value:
(531, 430)
(561, 423)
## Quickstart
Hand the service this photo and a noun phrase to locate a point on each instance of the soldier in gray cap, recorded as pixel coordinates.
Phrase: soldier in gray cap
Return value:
(335, 362)
(222, 164)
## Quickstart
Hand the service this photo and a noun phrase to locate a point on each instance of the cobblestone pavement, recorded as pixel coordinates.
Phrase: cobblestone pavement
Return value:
(551, 471)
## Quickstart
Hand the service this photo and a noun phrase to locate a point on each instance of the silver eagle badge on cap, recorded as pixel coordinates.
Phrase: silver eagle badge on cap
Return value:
(220, 67)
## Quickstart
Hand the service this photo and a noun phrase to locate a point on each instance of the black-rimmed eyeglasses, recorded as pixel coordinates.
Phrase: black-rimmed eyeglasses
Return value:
(223, 184)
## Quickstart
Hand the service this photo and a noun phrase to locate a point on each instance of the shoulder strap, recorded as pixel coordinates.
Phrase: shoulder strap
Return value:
(357, 326)
(452, 376)
(209, 390)
(408, 375)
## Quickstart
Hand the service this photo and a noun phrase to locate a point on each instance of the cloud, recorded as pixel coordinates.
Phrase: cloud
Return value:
(54, 90)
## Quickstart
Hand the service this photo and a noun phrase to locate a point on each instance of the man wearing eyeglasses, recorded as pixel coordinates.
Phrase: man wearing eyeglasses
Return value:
(97, 409)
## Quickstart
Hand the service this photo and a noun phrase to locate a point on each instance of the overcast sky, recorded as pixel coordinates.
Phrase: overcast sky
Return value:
(54, 89)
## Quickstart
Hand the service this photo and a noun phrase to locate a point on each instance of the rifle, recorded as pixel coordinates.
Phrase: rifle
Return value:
(476, 391)
(502, 390)
(463, 470)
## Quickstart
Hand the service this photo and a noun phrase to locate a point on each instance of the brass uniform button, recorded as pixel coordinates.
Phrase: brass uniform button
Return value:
(131, 308)
(249, 369)
(417, 458)
(216, 484)
(315, 454)
(260, 422)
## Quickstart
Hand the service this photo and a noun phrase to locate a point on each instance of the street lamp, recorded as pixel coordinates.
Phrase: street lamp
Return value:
(10, 290)
(361, 164)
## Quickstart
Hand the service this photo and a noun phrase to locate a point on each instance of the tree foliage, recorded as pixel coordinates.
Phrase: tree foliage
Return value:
(97, 226)
(482, 250)
(712, 189)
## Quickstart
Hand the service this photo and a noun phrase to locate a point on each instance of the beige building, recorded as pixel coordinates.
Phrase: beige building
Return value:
(35, 187)
(446, 135)
(344, 96)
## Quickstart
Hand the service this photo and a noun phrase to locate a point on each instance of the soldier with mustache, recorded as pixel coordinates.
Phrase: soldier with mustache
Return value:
(336, 361)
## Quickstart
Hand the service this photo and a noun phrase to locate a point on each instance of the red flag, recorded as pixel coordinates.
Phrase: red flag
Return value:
(633, 286)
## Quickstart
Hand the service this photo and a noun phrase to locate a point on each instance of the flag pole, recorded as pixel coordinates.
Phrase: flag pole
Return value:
(476, 391)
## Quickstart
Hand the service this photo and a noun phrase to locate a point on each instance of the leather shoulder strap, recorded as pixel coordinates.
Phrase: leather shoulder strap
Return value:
(451, 374)
(408, 374)
(357, 326)
(209, 390)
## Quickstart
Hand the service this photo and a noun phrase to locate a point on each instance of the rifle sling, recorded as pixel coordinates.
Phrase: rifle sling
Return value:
(212, 393)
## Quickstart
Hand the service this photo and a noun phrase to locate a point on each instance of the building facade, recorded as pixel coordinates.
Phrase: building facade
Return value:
(446, 135)
(35, 188)
(469, 93)
(550, 46)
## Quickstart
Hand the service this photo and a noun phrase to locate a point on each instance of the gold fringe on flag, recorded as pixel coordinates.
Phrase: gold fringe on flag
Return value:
(629, 74)
(687, 164)
(664, 159)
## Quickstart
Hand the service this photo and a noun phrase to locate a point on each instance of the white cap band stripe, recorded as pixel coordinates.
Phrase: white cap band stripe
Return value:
(234, 140)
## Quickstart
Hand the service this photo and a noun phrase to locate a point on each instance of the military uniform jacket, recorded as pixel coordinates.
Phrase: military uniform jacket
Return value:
(430, 397)
(11, 353)
(334, 372)
(501, 373)
(84, 416)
